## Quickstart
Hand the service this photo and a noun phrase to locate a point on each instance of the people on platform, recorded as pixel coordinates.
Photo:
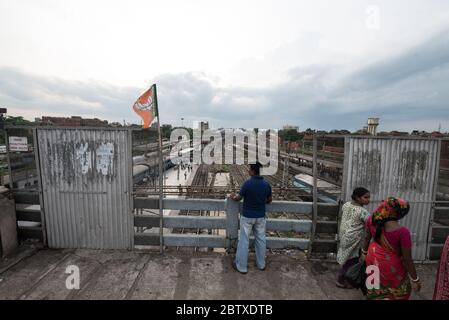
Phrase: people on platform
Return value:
(351, 233)
(388, 246)
(256, 193)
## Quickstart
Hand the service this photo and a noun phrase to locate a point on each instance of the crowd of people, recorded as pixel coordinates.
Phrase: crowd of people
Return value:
(378, 239)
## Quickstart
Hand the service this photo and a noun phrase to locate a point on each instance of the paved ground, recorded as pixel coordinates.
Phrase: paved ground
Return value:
(40, 274)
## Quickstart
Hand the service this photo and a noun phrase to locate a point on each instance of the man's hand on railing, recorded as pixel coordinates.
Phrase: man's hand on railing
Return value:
(235, 197)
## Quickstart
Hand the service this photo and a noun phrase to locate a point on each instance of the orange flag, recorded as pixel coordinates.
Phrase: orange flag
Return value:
(146, 107)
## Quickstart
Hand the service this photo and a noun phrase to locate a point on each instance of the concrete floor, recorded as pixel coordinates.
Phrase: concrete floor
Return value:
(107, 274)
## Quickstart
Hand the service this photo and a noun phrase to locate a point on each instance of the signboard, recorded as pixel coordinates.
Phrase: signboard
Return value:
(18, 144)
(2, 149)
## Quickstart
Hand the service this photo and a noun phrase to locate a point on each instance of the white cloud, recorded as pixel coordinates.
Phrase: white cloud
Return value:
(234, 63)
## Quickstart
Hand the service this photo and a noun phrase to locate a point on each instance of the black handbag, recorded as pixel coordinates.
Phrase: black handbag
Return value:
(356, 276)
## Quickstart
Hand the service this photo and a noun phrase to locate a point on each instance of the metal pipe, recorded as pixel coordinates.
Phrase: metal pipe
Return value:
(314, 195)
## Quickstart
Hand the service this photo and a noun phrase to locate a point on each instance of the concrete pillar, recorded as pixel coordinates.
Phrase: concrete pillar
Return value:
(232, 225)
(8, 226)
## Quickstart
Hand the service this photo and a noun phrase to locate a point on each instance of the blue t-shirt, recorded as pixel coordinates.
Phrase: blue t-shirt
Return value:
(255, 192)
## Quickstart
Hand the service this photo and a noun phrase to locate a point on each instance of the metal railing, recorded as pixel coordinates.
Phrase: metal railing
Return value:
(230, 223)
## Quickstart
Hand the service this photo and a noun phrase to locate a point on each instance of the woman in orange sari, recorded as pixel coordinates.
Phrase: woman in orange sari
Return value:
(390, 251)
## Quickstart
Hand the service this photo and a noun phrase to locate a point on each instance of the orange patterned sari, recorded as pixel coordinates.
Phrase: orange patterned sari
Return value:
(394, 282)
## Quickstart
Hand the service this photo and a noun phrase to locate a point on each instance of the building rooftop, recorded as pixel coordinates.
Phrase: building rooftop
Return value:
(115, 274)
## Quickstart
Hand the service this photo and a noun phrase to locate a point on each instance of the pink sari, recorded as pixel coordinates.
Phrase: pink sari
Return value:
(394, 282)
(442, 283)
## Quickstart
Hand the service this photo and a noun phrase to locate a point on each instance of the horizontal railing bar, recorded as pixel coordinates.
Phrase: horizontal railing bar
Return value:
(219, 205)
(30, 233)
(181, 240)
(324, 245)
(189, 222)
(28, 207)
(186, 240)
(34, 216)
(288, 225)
(194, 222)
(180, 204)
(327, 227)
(26, 197)
(218, 223)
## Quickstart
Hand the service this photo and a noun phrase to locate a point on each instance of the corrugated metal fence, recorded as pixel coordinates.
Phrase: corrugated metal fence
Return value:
(86, 177)
(86, 183)
(406, 168)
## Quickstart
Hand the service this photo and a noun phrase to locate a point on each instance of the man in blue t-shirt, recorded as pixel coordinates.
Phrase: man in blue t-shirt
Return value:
(256, 192)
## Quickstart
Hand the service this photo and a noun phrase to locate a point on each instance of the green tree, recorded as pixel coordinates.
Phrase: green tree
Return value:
(289, 135)
(17, 121)
(166, 130)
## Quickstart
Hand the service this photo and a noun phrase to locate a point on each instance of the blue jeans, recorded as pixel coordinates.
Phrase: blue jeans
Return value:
(257, 225)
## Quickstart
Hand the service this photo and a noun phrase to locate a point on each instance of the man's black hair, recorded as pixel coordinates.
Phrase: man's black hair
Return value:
(255, 167)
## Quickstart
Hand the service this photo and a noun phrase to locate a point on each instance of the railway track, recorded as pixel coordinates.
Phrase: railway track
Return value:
(199, 187)
(239, 174)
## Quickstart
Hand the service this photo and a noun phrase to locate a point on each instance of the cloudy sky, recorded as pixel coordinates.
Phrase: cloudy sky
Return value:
(318, 64)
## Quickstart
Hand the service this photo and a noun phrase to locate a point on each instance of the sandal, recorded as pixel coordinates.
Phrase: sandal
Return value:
(343, 285)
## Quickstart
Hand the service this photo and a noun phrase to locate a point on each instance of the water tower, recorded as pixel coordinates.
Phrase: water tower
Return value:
(372, 126)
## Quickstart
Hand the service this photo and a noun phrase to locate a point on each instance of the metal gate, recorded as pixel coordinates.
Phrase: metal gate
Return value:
(401, 167)
(86, 183)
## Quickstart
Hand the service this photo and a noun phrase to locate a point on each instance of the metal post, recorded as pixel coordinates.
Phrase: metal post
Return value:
(11, 184)
(434, 199)
(161, 176)
(314, 195)
(39, 179)
(232, 224)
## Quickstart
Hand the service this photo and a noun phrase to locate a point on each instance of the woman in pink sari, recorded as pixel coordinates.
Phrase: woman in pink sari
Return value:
(442, 284)
(390, 251)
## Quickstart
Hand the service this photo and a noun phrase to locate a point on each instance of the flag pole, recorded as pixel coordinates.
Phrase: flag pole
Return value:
(161, 175)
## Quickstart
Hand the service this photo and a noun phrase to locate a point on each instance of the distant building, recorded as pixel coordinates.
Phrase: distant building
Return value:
(436, 134)
(398, 133)
(74, 121)
(372, 126)
(116, 124)
(204, 125)
(290, 127)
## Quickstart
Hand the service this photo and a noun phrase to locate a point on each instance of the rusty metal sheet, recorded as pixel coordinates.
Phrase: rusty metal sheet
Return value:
(86, 178)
